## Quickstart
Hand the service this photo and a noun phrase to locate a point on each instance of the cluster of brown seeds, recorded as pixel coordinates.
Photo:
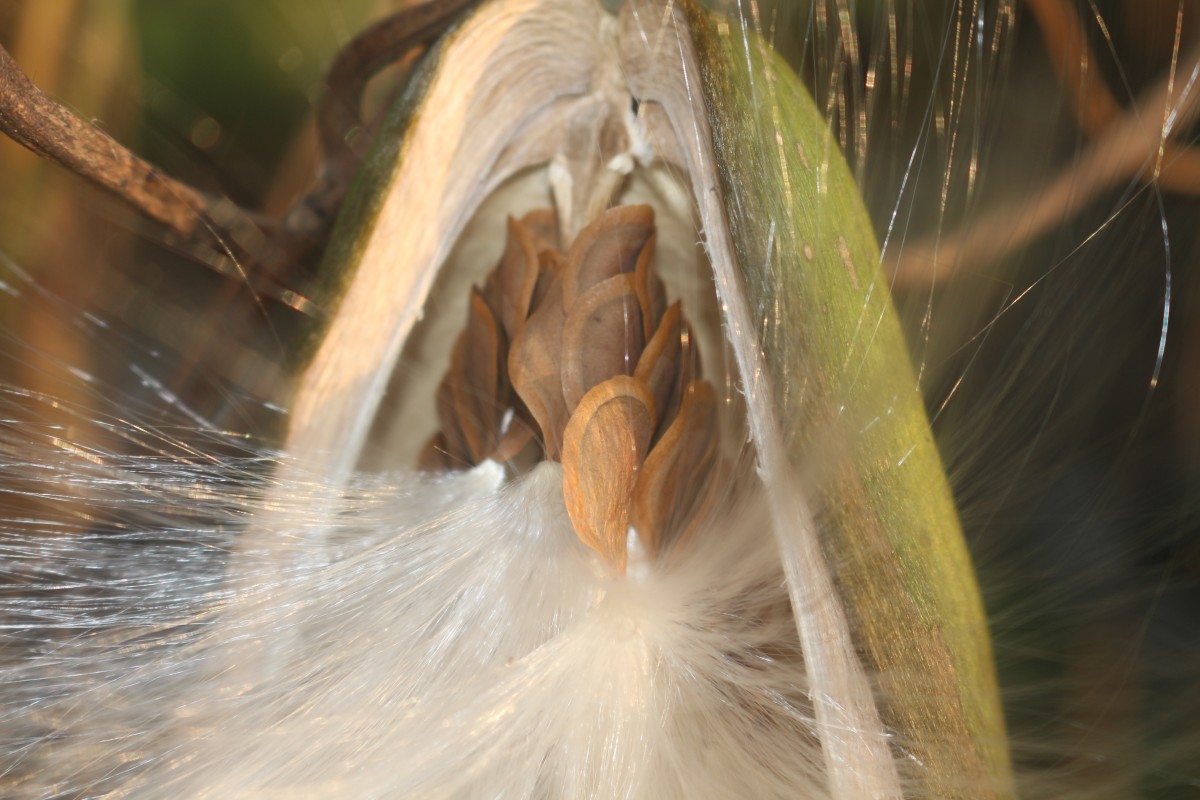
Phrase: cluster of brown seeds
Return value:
(577, 358)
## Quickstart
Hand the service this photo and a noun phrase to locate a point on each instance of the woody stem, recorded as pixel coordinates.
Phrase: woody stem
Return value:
(35, 121)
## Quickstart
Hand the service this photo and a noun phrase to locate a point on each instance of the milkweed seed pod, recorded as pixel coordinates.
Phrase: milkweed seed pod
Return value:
(606, 476)
(879, 580)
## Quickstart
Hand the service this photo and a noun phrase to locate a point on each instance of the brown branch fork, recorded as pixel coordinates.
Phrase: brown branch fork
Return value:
(32, 119)
(36, 121)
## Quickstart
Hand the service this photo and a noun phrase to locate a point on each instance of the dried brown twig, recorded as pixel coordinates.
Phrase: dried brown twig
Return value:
(35, 121)
(228, 238)
(1067, 44)
(1132, 144)
(1094, 104)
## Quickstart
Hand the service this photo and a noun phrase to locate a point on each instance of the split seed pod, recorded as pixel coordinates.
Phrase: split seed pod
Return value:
(894, 639)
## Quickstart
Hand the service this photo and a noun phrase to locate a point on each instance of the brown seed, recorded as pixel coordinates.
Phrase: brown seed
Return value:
(453, 443)
(689, 370)
(475, 379)
(652, 295)
(603, 448)
(513, 442)
(433, 457)
(534, 368)
(658, 367)
(602, 337)
(550, 266)
(711, 489)
(510, 286)
(609, 246)
(601, 366)
(542, 223)
(675, 470)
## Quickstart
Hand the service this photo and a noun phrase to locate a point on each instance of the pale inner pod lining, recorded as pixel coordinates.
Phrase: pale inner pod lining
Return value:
(535, 168)
(534, 65)
(523, 71)
(531, 64)
(407, 416)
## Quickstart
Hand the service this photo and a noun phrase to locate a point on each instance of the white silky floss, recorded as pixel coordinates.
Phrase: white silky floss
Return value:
(451, 639)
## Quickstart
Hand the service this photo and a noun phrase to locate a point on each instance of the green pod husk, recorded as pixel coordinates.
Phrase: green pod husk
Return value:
(844, 384)
(881, 580)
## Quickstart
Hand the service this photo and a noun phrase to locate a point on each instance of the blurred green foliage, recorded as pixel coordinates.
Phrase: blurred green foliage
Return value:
(234, 80)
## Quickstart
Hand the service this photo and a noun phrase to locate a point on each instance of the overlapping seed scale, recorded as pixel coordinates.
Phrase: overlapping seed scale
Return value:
(604, 446)
(674, 475)
(583, 348)
(476, 391)
(589, 319)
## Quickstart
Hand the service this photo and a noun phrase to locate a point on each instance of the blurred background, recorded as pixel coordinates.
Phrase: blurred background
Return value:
(1061, 366)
